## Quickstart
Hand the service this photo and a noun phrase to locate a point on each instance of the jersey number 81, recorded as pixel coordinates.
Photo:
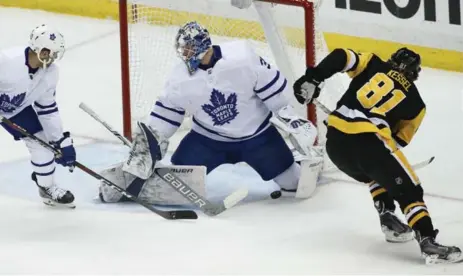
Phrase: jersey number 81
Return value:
(378, 87)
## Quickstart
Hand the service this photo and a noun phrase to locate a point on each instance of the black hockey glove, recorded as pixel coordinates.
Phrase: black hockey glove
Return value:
(307, 87)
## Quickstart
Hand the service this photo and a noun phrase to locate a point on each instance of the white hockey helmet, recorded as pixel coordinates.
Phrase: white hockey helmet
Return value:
(45, 37)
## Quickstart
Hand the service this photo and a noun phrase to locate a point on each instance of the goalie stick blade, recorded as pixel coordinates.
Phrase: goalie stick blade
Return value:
(180, 214)
(235, 198)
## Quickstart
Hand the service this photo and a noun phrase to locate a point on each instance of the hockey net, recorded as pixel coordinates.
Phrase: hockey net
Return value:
(284, 32)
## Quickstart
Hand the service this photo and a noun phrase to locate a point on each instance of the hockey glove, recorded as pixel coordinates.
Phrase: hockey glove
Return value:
(68, 153)
(307, 87)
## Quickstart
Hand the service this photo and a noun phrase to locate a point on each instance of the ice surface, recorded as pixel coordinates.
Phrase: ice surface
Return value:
(335, 232)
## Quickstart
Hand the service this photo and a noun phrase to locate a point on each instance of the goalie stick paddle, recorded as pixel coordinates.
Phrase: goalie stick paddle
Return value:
(209, 208)
(176, 214)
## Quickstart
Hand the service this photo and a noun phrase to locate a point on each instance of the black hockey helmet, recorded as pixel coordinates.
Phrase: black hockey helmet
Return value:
(407, 62)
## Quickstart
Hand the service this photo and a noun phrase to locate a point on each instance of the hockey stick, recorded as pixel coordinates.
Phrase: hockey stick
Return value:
(209, 208)
(176, 214)
(416, 166)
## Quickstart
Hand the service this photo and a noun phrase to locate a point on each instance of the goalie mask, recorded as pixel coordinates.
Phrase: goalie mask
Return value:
(191, 43)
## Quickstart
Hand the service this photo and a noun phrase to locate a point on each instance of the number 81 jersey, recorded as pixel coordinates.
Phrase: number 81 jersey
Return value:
(379, 100)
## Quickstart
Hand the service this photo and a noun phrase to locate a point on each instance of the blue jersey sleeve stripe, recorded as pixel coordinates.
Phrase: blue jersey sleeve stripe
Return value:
(277, 92)
(44, 106)
(177, 124)
(270, 84)
(46, 112)
(180, 112)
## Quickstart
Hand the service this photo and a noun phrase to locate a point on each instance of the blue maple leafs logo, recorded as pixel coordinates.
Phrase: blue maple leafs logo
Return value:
(8, 104)
(221, 110)
(52, 37)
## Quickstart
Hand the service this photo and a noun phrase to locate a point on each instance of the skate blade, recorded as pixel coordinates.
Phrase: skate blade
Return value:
(393, 237)
(456, 257)
(52, 203)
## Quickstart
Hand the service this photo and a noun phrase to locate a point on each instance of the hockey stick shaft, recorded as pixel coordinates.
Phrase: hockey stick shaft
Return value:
(176, 182)
(57, 152)
(97, 118)
(416, 166)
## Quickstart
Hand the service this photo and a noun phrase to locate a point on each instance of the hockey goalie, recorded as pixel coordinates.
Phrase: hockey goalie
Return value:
(237, 101)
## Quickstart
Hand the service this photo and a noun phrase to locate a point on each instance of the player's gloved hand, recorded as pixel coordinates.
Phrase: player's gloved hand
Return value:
(307, 87)
(67, 158)
(241, 4)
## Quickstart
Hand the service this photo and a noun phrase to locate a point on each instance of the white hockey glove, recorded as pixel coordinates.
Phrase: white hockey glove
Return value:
(302, 133)
(241, 4)
(307, 87)
(147, 148)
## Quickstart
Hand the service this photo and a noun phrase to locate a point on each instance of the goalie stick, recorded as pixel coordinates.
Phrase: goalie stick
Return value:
(209, 208)
(171, 215)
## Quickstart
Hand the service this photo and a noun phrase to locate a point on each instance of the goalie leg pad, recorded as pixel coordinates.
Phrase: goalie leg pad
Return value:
(288, 180)
(116, 175)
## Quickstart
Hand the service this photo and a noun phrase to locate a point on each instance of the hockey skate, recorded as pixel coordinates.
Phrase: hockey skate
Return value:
(434, 253)
(393, 228)
(54, 195)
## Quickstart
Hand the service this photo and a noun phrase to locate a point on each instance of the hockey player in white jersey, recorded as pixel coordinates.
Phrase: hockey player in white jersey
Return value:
(231, 93)
(28, 79)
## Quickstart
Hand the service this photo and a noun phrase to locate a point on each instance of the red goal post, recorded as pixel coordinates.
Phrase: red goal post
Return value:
(136, 17)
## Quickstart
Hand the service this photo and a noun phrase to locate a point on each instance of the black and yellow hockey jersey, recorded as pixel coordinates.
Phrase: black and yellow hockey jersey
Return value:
(379, 99)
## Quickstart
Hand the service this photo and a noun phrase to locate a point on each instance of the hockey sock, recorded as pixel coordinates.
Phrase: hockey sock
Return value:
(378, 193)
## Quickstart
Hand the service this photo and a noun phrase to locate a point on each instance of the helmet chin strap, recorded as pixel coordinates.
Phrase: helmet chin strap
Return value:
(44, 63)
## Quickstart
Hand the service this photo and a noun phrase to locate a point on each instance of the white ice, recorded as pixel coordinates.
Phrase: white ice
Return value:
(335, 232)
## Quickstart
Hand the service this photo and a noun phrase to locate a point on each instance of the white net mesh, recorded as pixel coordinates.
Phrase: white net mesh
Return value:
(153, 25)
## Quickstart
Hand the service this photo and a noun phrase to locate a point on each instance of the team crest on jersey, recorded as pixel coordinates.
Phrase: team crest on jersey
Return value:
(221, 110)
(8, 104)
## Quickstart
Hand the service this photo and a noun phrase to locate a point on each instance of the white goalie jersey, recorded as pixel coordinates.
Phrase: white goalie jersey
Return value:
(231, 101)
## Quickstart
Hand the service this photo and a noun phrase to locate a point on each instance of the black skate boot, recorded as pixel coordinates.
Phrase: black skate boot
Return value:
(393, 228)
(54, 195)
(434, 253)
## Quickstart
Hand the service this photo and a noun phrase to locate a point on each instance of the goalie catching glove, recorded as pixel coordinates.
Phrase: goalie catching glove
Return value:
(302, 133)
(148, 148)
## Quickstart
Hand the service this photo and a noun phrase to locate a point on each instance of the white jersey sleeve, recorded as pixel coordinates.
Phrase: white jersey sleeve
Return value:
(47, 109)
(166, 116)
(271, 86)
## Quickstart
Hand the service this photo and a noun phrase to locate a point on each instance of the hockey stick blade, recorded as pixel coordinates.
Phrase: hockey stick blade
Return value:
(170, 215)
(209, 208)
(180, 214)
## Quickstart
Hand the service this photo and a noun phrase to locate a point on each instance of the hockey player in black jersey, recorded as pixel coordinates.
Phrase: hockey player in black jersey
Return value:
(378, 115)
